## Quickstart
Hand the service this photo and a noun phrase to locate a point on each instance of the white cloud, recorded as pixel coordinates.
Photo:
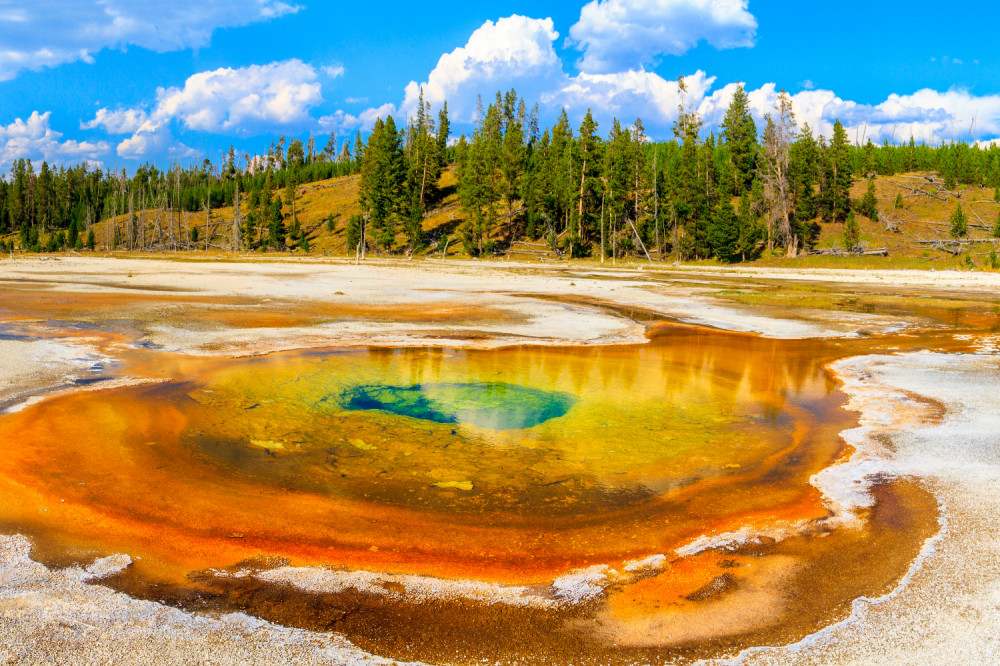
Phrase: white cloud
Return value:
(34, 138)
(618, 35)
(342, 122)
(120, 121)
(629, 95)
(334, 71)
(518, 52)
(46, 33)
(513, 52)
(245, 101)
(928, 116)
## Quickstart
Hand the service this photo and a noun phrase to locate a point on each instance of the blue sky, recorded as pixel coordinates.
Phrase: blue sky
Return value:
(120, 82)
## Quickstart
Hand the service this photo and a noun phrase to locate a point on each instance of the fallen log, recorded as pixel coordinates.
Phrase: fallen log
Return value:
(917, 190)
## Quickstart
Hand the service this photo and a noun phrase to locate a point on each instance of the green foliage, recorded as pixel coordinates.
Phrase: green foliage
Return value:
(382, 182)
(724, 234)
(996, 227)
(740, 134)
(354, 227)
(959, 223)
(994, 260)
(803, 174)
(573, 187)
(415, 224)
(835, 191)
(194, 234)
(969, 263)
(91, 240)
(869, 202)
(852, 232)
(276, 231)
(899, 202)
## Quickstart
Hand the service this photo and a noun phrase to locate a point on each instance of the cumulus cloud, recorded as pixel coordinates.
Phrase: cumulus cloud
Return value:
(927, 115)
(120, 121)
(342, 122)
(518, 52)
(618, 35)
(46, 33)
(513, 52)
(630, 95)
(244, 101)
(34, 138)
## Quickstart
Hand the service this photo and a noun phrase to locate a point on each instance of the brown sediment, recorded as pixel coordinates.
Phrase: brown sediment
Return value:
(710, 605)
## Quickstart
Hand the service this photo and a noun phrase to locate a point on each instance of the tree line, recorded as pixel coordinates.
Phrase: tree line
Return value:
(731, 193)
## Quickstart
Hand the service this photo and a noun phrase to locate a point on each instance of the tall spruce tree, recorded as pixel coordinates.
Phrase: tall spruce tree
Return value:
(740, 134)
(836, 191)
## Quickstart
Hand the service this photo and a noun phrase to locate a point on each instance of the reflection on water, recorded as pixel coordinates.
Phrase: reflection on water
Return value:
(493, 405)
(663, 442)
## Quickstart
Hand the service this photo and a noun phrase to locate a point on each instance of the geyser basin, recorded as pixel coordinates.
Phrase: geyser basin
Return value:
(541, 468)
(493, 405)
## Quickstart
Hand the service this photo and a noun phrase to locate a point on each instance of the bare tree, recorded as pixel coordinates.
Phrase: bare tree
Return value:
(779, 133)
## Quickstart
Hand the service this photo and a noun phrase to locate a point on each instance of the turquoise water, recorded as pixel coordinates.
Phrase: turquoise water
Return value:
(493, 405)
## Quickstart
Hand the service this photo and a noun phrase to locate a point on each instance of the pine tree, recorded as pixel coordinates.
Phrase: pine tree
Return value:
(852, 232)
(276, 226)
(512, 164)
(443, 132)
(724, 233)
(617, 178)
(750, 232)
(414, 224)
(740, 134)
(355, 227)
(803, 174)
(949, 168)
(382, 183)
(836, 192)
(869, 202)
(588, 196)
(480, 188)
(959, 223)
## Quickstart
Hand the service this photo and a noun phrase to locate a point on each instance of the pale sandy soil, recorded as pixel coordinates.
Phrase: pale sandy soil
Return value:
(54, 617)
(947, 611)
(491, 287)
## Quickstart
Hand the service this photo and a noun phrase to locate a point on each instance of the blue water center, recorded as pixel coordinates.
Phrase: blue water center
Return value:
(493, 405)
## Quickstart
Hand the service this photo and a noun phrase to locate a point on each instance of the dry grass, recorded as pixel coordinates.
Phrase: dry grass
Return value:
(921, 217)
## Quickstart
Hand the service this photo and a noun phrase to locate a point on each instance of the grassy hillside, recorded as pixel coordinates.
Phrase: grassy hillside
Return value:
(916, 234)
